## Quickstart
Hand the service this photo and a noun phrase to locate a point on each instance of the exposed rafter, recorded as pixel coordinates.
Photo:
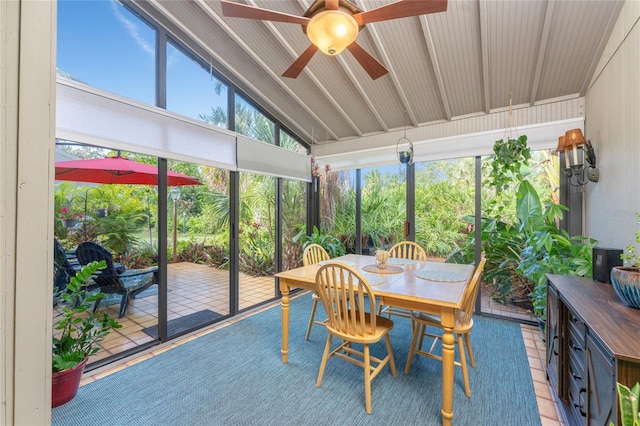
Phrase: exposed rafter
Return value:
(484, 47)
(542, 49)
(436, 66)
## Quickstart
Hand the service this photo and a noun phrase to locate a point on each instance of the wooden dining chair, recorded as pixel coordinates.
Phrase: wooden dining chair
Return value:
(461, 330)
(313, 253)
(350, 304)
(403, 250)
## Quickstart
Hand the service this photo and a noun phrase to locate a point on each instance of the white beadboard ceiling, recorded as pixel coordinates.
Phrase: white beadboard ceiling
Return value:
(466, 62)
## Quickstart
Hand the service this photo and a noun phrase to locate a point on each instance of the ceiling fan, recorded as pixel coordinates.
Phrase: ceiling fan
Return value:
(333, 25)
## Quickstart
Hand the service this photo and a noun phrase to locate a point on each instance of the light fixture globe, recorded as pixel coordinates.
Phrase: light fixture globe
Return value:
(332, 31)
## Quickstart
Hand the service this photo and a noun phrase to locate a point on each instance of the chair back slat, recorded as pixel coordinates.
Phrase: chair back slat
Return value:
(347, 298)
(314, 253)
(107, 279)
(469, 302)
(408, 250)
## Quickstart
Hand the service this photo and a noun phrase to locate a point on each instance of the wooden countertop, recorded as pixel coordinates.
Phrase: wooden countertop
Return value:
(613, 322)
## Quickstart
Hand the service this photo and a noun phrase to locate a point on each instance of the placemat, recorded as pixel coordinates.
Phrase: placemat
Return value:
(401, 261)
(344, 262)
(390, 269)
(444, 276)
(373, 279)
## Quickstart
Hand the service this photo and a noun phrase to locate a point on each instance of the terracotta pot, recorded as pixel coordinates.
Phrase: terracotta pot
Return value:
(64, 384)
(626, 283)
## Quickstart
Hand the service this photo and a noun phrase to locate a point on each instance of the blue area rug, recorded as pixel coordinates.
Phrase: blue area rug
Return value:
(234, 376)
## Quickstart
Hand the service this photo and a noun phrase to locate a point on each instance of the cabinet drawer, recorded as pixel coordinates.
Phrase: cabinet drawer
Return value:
(575, 342)
(577, 399)
(576, 368)
(576, 327)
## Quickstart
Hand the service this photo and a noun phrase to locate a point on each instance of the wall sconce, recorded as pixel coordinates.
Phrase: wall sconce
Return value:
(580, 159)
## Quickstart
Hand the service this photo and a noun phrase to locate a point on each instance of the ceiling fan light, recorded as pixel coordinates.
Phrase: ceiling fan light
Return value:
(332, 31)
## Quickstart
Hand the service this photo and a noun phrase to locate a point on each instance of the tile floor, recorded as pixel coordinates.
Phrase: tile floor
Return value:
(192, 288)
(547, 406)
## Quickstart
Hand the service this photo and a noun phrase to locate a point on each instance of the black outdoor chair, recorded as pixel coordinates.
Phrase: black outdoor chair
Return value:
(128, 283)
(62, 270)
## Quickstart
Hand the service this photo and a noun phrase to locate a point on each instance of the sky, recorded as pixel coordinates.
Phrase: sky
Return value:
(102, 44)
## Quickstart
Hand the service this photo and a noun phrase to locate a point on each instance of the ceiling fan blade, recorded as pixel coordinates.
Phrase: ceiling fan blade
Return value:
(401, 9)
(331, 4)
(239, 10)
(370, 64)
(296, 68)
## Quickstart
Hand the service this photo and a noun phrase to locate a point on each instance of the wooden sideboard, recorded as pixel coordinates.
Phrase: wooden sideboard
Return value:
(592, 342)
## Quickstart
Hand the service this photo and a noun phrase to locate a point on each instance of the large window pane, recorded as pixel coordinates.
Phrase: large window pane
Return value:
(198, 272)
(252, 123)
(338, 206)
(103, 44)
(294, 221)
(121, 219)
(445, 195)
(384, 207)
(193, 91)
(288, 142)
(257, 239)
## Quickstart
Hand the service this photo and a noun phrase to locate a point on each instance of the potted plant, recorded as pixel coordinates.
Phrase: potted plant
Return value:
(77, 334)
(68, 217)
(626, 279)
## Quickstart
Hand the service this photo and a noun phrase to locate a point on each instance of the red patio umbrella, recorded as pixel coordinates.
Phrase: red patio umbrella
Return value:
(117, 170)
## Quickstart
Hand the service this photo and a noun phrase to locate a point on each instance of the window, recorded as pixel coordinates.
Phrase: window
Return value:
(193, 91)
(106, 46)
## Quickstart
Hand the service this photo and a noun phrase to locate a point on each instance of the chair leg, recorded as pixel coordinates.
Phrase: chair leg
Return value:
(465, 368)
(416, 330)
(96, 304)
(467, 343)
(124, 304)
(325, 357)
(392, 362)
(367, 379)
(311, 318)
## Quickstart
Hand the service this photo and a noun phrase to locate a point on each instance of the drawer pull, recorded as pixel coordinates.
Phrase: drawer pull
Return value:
(576, 347)
(576, 376)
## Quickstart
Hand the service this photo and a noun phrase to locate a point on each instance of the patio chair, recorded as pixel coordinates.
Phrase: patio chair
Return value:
(62, 270)
(403, 250)
(353, 322)
(128, 283)
(313, 253)
(461, 330)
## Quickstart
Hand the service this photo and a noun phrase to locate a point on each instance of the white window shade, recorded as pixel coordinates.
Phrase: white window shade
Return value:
(88, 115)
(539, 136)
(263, 158)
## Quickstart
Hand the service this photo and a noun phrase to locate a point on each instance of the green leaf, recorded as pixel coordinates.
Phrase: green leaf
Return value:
(629, 404)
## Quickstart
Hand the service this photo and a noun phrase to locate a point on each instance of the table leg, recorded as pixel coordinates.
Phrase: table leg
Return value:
(284, 289)
(448, 351)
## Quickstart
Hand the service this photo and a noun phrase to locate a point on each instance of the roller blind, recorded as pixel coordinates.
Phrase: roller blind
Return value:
(264, 158)
(88, 115)
(539, 136)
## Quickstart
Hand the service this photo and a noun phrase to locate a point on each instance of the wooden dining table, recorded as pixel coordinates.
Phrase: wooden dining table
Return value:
(434, 287)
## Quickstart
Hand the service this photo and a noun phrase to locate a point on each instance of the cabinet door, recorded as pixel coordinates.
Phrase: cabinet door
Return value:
(553, 336)
(600, 384)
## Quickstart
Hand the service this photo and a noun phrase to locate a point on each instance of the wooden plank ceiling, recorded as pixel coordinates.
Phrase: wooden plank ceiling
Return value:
(467, 61)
